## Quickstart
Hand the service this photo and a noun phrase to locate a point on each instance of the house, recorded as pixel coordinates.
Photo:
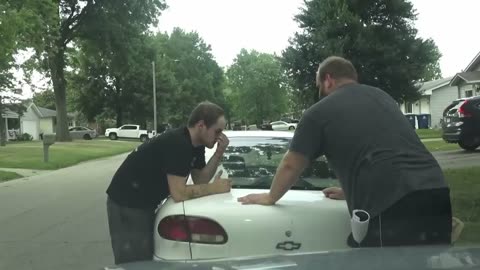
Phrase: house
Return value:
(467, 82)
(34, 121)
(438, 94)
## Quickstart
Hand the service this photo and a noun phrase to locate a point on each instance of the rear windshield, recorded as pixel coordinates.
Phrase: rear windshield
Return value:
(251, 162)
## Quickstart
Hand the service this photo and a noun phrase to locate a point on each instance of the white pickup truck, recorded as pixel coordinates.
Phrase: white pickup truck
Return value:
(129, 131)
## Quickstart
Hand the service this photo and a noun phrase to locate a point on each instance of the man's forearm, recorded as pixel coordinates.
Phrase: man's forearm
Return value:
(197, 191)
(208, 171)
(287, 174)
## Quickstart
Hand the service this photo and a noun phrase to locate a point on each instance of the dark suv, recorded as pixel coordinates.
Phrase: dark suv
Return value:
(461, 123)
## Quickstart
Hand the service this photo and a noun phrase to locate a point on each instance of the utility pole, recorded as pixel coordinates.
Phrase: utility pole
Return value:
(154, 99)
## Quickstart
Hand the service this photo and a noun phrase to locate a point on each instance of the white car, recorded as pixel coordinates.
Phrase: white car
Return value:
(218, 226)
(282, 125)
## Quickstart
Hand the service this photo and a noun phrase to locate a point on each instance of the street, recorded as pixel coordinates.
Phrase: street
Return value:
(457, 159)
(57, 220)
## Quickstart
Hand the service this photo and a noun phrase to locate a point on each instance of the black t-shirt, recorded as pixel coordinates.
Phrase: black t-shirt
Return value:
(141, 181)
(370, 145)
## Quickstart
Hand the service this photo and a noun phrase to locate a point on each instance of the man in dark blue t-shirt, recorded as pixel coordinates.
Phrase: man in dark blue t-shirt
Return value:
(158, 169)
(382, 165)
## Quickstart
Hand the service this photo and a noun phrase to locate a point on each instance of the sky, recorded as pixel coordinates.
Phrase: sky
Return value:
(267, 25)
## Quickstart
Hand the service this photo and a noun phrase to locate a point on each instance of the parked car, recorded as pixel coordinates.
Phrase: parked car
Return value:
(129, 131)
(79, 133)
(266, 126)
(461, 123)
(448, 108)
(289, 120)
(82, 133)
(218, 226)
(282, 125)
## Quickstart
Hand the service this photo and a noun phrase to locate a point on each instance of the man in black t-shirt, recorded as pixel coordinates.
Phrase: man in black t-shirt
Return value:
(382, 165)
(158, 169)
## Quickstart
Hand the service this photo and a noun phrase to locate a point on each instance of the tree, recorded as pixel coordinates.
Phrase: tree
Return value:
(377, 36)
(45, 99)
(10, 27)
(258, 89)
(113, 80)
(187, 74)
(54, 25)
(118, 82)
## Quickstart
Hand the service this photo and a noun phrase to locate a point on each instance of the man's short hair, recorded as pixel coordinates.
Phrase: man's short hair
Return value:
(206, 111)
(338, 68)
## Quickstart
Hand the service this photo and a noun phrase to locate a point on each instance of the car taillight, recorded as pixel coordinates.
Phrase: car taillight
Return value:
(192, 229)
(462, 112)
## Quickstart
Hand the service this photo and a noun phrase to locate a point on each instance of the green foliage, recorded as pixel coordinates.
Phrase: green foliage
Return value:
(45, 99)
(377, 36)
(257, 87)
(119, 84)
(25, 137)
(52, 26)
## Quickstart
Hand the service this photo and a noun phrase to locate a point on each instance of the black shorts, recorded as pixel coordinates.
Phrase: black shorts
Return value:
(131, 232)
(420, 218)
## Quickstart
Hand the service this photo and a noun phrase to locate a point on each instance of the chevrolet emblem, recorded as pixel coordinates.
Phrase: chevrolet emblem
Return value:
(289, 245)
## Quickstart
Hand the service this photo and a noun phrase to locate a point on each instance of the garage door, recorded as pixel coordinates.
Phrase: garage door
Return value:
(31, 128)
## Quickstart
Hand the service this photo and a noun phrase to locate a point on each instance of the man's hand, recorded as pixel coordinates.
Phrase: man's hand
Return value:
(221, 185)
(262, 198)
(222, 144)
(335, 193)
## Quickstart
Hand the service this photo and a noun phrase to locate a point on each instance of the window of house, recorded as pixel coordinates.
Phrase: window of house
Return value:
(409, 107)
(469, 93)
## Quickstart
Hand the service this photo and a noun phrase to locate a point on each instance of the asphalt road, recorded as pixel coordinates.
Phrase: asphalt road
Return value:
(458, 158)
(57, 220)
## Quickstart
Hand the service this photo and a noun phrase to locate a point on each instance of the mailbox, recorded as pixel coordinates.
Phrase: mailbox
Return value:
(48, 139)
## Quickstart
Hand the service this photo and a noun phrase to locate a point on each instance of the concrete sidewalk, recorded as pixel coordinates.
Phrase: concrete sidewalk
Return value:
(431, 140)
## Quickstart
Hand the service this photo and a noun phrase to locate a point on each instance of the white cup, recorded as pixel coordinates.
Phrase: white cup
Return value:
(359, 223)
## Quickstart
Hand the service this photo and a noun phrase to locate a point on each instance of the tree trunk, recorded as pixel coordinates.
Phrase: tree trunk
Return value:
(3, 134)
(57, 63)
(119, 111)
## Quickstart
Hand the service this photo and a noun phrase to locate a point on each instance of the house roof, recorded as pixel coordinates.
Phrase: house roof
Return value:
(7, 113)
(468, 77)
(426, 88)
(45, 113)
(474, 63)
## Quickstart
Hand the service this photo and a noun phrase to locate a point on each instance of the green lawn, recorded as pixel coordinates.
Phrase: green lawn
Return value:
(465, 194)
(5, 176)
(29, 155)
(441, 146)
(429, 133)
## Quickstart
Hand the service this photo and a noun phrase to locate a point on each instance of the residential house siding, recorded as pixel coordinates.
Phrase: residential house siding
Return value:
(46, 125)
(439, 100)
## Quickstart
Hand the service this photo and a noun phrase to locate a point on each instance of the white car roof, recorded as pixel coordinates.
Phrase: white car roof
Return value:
(258, 133)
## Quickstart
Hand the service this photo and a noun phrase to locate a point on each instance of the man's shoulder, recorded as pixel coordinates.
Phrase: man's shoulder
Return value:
(173, 138)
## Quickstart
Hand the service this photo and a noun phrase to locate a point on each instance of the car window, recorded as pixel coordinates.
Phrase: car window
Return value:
(251, 162)
(129, 128)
